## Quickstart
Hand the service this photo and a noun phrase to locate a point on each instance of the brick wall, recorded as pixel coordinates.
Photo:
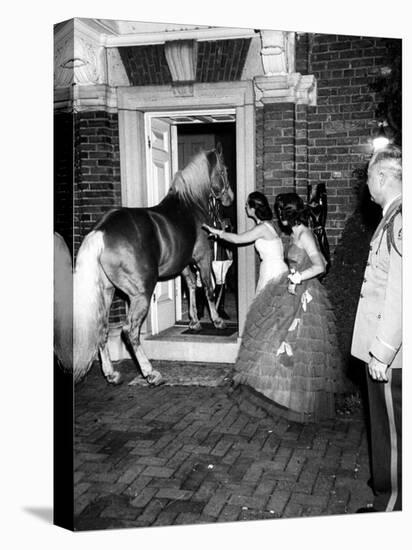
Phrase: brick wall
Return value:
(341, 126)
(302, 45)
(97, 169)
(221, 60)
(217, 60)
(97, 177)
(278, 149)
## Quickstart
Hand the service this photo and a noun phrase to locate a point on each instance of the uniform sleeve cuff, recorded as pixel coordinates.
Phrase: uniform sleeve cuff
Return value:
(383, 351)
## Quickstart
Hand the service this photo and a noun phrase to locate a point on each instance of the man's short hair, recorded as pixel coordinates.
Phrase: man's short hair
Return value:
(388, 159)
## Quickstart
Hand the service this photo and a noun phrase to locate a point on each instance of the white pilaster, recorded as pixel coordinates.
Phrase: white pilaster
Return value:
(278, 52)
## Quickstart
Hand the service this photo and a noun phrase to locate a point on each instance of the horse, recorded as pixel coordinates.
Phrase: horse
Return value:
(132, 248)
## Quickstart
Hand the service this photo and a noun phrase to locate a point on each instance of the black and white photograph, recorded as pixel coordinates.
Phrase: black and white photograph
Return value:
(227, 278)
(232, 200)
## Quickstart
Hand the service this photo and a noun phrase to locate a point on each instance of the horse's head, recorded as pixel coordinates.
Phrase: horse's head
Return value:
(220, 187)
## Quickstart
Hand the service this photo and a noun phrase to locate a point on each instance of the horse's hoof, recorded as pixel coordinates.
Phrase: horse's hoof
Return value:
(115, 378)
(195, 327)
(219, 323)
(155, 378)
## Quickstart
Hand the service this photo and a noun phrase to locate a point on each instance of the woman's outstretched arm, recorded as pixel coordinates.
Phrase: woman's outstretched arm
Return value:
(250, 236)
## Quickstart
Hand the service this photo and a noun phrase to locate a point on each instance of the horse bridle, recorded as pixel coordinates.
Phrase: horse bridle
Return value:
(223, 176)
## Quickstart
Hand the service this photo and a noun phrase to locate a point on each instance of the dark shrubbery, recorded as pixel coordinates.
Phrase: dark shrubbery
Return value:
(344, 279)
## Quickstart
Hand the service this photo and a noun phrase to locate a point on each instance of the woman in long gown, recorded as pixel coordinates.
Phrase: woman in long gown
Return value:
(288, 362)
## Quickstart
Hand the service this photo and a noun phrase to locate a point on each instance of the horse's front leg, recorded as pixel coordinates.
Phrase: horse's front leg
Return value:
(208, 282)
(139, 306)
(190, 279)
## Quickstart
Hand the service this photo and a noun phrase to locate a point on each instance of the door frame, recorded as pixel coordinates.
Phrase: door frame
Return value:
(135, 102)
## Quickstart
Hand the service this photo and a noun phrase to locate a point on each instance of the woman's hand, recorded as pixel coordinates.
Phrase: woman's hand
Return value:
(295, 278)
(212, 230)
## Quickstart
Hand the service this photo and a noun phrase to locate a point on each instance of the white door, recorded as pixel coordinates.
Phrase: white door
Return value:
(161, 165)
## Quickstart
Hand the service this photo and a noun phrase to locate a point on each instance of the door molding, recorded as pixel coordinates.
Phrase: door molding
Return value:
(134, 102)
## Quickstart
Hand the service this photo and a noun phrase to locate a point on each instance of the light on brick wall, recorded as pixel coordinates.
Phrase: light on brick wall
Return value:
(381, 139)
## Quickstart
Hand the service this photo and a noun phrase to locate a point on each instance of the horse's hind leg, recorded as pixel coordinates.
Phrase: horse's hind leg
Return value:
(111, 375)
(139, 306)
(138, 287)
(208, 283)
(191, 285)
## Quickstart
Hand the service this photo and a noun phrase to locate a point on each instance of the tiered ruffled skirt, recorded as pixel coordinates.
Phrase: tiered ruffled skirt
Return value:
(289, 352)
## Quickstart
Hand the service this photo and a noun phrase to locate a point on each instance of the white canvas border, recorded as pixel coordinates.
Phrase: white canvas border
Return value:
(26, 230)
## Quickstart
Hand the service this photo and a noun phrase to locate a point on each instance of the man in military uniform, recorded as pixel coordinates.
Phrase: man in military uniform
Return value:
(377, 336)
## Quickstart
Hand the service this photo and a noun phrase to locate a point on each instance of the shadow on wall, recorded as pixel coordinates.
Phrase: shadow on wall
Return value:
(344, 280)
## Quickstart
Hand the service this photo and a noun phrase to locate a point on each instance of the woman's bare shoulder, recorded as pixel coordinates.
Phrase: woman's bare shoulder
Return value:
(306, 234)
(270, 230)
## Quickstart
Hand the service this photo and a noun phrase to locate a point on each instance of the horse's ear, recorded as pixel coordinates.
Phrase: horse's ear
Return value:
(219, 149)
(211, 158)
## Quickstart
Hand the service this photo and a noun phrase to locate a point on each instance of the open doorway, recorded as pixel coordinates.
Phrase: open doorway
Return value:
(191, 138)
(172, 139)
(144, 180)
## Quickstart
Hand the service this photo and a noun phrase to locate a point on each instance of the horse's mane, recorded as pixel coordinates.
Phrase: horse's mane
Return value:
(192, 184)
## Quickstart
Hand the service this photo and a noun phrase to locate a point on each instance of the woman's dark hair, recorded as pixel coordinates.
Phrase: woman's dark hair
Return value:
(290, 208)
(259, 202)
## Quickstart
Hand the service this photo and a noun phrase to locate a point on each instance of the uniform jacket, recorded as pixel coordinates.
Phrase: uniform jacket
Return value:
(378, 323)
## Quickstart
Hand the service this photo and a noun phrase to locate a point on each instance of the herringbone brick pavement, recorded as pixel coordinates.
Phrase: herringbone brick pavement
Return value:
(174, 455)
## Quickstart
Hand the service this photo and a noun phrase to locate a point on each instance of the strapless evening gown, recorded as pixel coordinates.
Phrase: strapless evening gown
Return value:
(272, 264)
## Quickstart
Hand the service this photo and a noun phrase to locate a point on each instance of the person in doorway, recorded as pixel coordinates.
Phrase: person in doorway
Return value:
(221, 263)
(265, 237)
(377, 334)
(288, 362)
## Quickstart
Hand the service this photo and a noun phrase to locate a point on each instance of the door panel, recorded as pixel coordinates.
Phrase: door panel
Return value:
(162, 314)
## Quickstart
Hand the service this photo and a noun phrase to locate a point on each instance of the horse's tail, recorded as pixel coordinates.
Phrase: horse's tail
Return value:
(90, 309)
(63, 304)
